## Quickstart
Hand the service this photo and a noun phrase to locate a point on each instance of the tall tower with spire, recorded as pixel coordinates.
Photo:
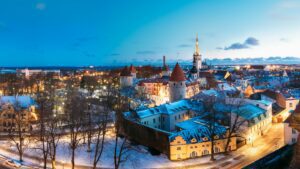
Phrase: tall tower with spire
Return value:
(197, 61)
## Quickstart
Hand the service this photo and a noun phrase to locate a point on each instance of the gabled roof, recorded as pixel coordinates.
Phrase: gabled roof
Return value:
(22, 101)
(198, 129)
(170, 108)
(177, 74)
(125, 72)
(249, 111)
(132, 69)
(193, 70)
(280, 99)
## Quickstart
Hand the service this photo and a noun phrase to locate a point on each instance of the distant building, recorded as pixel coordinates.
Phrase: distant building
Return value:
(197, 56)
(15, 109)
(126, 77)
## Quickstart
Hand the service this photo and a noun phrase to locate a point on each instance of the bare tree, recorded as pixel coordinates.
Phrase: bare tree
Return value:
(19, 128)
(121, 145)
(235, 122)
(212, 119)
(106, 105)
(41, 133)
(120, 150)
(75, 120)
(54, 131)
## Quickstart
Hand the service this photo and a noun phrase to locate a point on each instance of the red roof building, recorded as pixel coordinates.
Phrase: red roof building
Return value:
(132, 69)
(125, 72)
(177, 74)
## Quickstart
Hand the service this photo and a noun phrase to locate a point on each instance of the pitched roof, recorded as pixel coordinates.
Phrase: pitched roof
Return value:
(171, 108)
(132, 69)
(177, 74)
(280, 99)
(194, 69)
(125, 72)
(22, 101)
(197, 128)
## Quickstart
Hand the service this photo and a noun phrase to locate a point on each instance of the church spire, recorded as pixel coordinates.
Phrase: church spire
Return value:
(197, 50)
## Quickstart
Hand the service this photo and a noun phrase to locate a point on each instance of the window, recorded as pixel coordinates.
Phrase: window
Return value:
(175, 117)
(291, 104)
(163, 118)
(178, 148)
(179, 116)
(153, 120)
(294, 140)
(294, 131)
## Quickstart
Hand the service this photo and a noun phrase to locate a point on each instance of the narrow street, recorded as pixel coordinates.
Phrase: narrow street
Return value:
(270, 142)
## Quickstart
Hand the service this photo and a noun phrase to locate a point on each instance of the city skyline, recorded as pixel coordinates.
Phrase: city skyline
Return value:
(68, 33)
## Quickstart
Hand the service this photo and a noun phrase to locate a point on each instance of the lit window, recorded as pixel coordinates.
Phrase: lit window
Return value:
(178, 148)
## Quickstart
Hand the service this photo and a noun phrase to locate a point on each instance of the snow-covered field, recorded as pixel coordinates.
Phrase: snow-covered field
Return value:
(138, 156)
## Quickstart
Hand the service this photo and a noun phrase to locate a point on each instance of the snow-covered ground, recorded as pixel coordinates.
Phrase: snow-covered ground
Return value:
(138, 156)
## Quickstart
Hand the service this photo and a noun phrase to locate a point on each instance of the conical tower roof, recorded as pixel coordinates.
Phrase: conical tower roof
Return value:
(177, 74)
(132, 69)
(125, 72)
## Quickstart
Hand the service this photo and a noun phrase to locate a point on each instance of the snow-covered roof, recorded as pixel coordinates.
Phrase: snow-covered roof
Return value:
(199, 129)
(249, 111)
(226, 87)
(210, 92)
(170, 108)
(23, 101)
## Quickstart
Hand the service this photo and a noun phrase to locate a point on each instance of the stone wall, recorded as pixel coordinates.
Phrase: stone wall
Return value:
(150, 137)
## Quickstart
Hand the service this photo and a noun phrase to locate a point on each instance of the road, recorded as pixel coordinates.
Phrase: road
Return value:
(248, 154)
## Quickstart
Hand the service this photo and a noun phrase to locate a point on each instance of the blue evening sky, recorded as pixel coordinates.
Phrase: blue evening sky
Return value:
(105, 32)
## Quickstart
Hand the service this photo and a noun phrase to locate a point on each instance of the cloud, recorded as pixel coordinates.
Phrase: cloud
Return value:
(286, 10)
(40, 6)
(184, 45)
(235, 46)
(145, 52)
(219, 48)
(251, 41)
(284, 40)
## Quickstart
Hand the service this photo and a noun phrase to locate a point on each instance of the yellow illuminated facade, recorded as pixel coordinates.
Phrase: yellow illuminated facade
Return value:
(180, 149)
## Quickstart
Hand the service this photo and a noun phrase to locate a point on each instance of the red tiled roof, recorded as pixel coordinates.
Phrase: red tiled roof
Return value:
(177, 74)
(132, 69)
(125, 72)
(280, 99)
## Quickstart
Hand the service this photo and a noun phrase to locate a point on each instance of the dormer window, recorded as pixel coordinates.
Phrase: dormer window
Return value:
(193, 140)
